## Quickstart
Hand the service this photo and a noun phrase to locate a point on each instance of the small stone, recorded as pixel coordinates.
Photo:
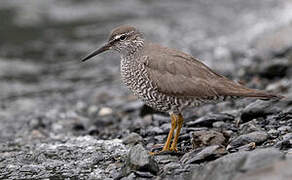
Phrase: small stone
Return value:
(287, 136)
(165, 127)
(92, 110)
(208, 120)
(80, 106)
(132, 106)
(286, 143)
(142, 122)
(247, 147)
(161, 118)
(273, 132)
(208, 153)
(132, 138)
(140, 160)
(154, 131)
(257, 137)
(171, 166)
(207, 138)
(258, 109)
(273, 69)
(166, 159)
(105, 111)
(218, 124)
(284, 129)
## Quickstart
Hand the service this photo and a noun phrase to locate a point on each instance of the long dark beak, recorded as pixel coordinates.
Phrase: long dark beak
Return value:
(96, 52)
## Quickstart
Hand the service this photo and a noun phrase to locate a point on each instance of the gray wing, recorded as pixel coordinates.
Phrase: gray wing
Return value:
(178, 74)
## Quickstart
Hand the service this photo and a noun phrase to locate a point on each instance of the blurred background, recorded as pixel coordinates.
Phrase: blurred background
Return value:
(46, 92)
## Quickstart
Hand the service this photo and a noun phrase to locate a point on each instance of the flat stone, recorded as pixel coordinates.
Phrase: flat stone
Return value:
(209, 119)
(132, 138)
(258, 109)
(154, 131)
(132, 106)
(257, 137)
(206, 154)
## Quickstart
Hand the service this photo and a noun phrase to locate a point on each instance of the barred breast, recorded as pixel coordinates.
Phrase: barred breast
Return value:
(135, 76)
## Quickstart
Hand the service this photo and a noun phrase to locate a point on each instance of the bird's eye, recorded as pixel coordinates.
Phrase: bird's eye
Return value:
(122, 37)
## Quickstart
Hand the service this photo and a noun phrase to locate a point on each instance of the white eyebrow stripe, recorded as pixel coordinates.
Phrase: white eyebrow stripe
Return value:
(119, 35)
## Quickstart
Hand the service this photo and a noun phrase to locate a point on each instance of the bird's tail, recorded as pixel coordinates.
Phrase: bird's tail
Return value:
(238, 90)
(253, 93)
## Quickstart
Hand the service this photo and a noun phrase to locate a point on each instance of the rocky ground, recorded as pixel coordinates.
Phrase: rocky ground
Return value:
(61, 119)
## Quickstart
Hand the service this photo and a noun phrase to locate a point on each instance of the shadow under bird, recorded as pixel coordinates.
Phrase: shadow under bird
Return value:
(169, 80)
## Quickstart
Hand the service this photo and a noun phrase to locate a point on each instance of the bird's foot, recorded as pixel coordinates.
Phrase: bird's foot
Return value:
(173, 149)
(165, 151)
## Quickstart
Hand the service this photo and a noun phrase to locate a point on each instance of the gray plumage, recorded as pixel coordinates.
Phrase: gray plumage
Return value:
(170, 80)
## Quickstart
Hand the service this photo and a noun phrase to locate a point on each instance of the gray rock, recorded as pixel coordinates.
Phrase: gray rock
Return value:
(206, 154)
(207, 138)
(219, 124)
(209, 119)
(257, 137)
(166, 158)
(258, 109)
(168, 168)
(132, 138)
(139, 159)
(284, 129)
(154, 131)
(286, 143)
(132, 106)
(239, 164)
(277, 170)
(274, 69)
(273, 133)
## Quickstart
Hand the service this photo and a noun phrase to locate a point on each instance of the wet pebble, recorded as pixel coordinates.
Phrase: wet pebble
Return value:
(206, 154)
(273, 133)
(285, 143)
(284, 129)
(154, 131)
(258, 109)
(209, 119)
(257, 137)
(132, 106)
(140, 122)
(132, 138)
(166, 158)
(273, 69)
(170, 167)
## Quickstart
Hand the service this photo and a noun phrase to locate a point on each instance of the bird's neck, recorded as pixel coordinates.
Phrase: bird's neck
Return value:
(134, 48)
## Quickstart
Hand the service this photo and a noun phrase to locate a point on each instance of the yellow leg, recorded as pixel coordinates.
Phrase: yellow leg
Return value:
(170, 134)
(179, 122)
(166, 146)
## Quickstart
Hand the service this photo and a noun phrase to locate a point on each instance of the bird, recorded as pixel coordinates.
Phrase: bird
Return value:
(169, 80)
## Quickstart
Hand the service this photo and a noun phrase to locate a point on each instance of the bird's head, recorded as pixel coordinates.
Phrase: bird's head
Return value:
(124, 39)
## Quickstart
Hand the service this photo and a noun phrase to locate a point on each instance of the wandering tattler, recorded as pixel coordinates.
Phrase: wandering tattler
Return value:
(169, 80)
